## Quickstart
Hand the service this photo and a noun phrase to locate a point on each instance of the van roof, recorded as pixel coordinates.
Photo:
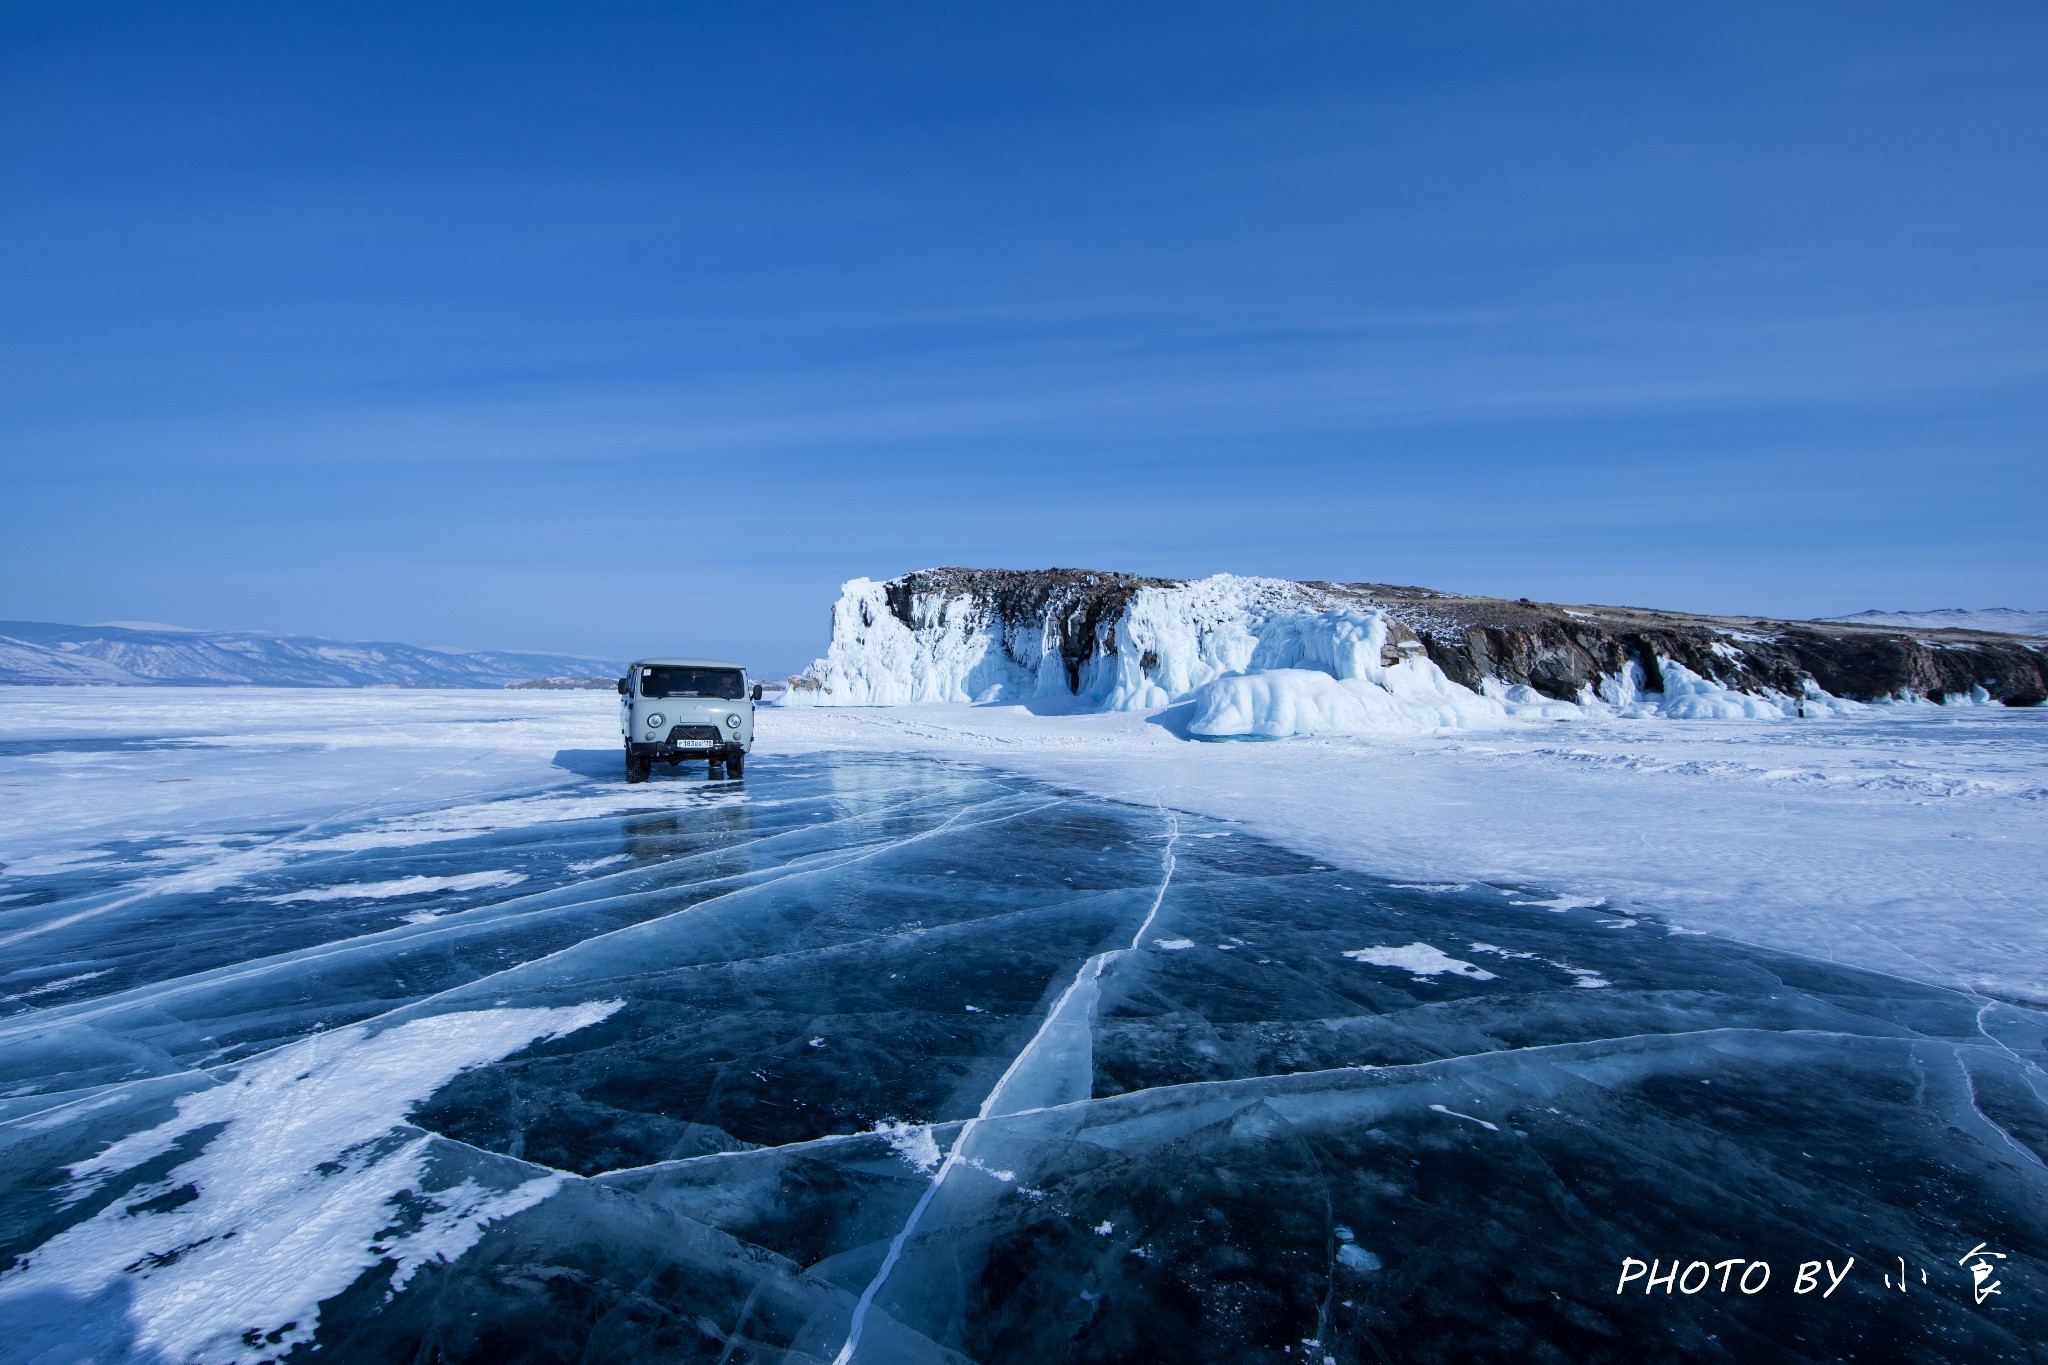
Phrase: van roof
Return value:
(687, 663)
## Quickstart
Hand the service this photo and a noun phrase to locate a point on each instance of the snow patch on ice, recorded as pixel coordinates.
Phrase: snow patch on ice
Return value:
(1489, 1127)
(56, 864)
(1560, 904)
(305, 1175)
(401, 886)
(1581, 976)
(1172, 945)
(911, 1141)
(1418, 960)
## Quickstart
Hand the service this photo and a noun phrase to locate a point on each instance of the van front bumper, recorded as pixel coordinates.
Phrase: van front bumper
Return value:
(689, 741)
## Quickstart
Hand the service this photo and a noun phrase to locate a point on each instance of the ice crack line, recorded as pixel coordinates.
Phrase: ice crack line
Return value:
(1077, 999)
(155, 993)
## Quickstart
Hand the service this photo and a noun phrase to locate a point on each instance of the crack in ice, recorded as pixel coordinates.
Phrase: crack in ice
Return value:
(158, 992)
(252, 854)
(1089, 973)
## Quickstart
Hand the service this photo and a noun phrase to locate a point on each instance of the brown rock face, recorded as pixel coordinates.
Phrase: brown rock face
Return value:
(1559, 651)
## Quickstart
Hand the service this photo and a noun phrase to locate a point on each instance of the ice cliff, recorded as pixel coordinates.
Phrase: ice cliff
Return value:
(1271, 657)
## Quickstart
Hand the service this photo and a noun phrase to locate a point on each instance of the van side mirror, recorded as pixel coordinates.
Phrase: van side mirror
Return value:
(622, 687)
(757, 691)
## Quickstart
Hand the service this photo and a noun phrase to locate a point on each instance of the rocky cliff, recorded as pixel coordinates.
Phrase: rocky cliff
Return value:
(1559, 649)
(1120, 641)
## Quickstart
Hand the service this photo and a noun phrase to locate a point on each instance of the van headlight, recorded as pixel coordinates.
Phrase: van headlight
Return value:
(653, 720)
(733, 721)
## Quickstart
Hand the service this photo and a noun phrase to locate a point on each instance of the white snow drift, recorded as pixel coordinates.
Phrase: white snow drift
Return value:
(288, 1188)
(1322, 673)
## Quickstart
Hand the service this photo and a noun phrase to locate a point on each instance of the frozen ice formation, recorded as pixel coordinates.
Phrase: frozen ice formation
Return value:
(1120, 646)
(1268, 658)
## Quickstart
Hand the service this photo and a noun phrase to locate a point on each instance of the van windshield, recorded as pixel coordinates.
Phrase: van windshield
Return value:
(726, 683)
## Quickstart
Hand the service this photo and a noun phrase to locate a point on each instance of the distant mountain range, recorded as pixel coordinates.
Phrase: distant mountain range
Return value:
(1997, 620)
(142, 653)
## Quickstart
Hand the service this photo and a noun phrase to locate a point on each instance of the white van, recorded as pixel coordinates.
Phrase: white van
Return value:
(673, 710)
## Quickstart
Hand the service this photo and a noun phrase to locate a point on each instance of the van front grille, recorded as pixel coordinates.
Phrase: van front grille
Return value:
(693, 734)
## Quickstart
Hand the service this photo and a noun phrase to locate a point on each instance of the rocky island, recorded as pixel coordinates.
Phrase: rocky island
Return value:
(1122, 641)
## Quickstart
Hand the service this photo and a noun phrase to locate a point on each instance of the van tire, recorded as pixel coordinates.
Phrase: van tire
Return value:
(736, 764)
(637, 767)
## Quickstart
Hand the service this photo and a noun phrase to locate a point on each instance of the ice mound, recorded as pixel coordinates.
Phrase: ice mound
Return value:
(1325, 673)
(1690, 696)
(1281, 702)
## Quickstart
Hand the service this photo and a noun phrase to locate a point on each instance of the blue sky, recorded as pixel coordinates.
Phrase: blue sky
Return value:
(629, 329)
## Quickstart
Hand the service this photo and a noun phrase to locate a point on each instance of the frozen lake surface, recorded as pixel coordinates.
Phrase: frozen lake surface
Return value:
(886, 1058)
